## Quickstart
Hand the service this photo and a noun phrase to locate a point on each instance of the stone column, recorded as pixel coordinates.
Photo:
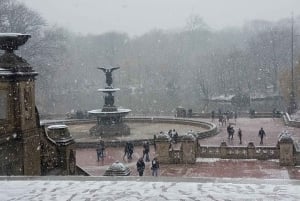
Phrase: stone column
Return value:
(162, 143)
(286, 153)
(19, 133)
(189, 148)
(223, 150)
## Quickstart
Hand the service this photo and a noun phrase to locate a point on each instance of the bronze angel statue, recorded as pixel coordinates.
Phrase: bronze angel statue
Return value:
(108, 74)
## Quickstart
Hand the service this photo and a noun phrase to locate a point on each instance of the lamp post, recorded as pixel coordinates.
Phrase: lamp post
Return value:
(293, 104)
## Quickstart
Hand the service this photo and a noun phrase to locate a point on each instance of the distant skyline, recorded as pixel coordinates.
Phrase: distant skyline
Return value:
(136, 17)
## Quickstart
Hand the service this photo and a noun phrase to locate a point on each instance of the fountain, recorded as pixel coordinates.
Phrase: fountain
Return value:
(109, 118)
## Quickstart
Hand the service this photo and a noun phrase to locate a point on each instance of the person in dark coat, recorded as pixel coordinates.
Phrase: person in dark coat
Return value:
(140, 166)
(213, 116)
(128, 150)
(235, 116)
(240, 135)
(146, 151)
(155, 167)
(100, 150)
(261, 134)
(228, 130)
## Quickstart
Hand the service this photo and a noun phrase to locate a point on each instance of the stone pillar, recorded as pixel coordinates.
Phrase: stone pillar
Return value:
(162, 143)
(19, 132)
(223, 150)
(189, 148)
(251, 150)
(286, 145)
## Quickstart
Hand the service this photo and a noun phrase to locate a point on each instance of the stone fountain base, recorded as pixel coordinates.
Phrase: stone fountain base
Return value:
(120, 129)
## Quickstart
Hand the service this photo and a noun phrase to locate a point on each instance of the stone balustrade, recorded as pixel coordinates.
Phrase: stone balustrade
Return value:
(239, 152)
(286, 151)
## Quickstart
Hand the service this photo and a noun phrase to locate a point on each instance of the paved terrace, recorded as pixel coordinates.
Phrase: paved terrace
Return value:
(86, 158)
(250, 128)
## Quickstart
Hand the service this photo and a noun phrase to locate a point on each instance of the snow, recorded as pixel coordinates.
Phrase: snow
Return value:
(11, 34)
(57, 126)
(119, 111)
(109, 90)
(156, 188)
(223, 97)
(213, 160)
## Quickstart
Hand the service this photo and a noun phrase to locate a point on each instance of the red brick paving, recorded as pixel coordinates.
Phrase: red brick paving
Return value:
(86, 158)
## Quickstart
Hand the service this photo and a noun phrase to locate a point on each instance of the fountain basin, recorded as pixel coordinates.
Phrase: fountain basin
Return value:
(11, 41)
(100, 113)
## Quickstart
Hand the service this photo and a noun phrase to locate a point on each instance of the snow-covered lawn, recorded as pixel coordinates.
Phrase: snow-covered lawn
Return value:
(135, 188)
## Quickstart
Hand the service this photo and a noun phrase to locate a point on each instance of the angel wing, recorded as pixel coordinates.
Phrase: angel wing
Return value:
(115, 68)
(103, 69)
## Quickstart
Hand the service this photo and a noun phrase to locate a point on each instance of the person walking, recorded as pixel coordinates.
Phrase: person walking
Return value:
(140, 166)
(100, 150)
(213, 114)
(235, 116)
(261, 134)
(240, 135)
(146, 151)
(229, 131)
(128, 150)
(155, 166)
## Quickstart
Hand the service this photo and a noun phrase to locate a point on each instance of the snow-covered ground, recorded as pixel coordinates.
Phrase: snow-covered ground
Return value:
(296, 116)
(147, 188)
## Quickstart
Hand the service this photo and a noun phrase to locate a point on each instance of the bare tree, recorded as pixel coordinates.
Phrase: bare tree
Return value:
(16, 17)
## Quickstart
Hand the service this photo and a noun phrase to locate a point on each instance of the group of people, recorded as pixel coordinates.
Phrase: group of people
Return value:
(129, 148)
(231, 131)
(128, 151)
(224, 117)
(140, 165)
(173, 135)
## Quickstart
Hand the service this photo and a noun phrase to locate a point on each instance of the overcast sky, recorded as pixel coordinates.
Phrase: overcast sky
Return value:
(139, 16)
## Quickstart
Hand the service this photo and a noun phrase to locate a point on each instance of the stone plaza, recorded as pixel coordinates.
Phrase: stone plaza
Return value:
(205, 166)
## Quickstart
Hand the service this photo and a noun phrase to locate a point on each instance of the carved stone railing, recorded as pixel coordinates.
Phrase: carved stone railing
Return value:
(239, 152)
